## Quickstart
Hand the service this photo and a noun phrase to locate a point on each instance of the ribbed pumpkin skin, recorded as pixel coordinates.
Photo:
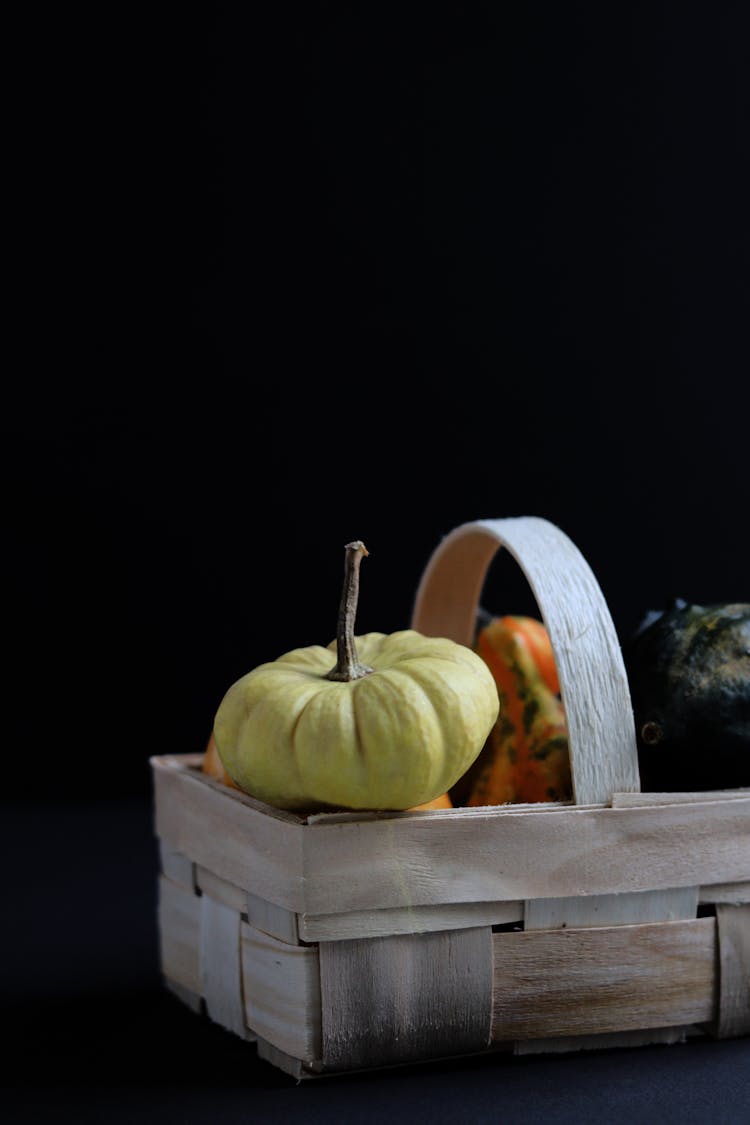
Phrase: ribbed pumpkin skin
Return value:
(211, 764)
(396, 738)
(689, 675)
(526, 758)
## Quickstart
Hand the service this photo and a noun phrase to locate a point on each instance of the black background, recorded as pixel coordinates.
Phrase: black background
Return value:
(343, 270)
(358, 272)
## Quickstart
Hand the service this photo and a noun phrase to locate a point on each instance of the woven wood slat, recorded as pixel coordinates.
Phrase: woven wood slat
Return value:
(404, 998)
(221, 978)
(550, 983)
(733, 923)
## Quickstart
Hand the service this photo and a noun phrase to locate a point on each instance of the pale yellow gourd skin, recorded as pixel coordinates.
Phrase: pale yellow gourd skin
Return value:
(397, 737)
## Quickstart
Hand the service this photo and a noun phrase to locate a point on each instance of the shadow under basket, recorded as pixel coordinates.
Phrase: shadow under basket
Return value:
(350, 941)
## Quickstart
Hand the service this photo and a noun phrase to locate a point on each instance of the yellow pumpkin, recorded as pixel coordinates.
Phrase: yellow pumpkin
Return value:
(211, 764)
(392, 725)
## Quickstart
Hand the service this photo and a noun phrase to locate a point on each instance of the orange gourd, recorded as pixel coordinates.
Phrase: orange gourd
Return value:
(534, 634)
(212, 764)
(525, 758)
(441, 802)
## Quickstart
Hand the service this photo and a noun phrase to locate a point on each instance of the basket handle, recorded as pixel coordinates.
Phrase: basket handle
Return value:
(590, 667)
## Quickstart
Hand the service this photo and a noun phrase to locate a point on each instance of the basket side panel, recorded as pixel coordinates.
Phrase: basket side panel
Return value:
(609, 910)
(550, 983)
(733, 893)
(404, 998)
(281, 989)
(179, 914)
(221, 980)
(273, 920)
(176, 866)
(219, 890)
(230, 837)
(499, 854)
(734, 973)
(408, 920)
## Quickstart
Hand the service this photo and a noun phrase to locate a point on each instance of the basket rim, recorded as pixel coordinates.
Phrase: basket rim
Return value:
(191, 763)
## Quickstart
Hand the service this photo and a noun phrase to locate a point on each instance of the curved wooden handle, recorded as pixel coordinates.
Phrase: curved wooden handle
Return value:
(593, 681)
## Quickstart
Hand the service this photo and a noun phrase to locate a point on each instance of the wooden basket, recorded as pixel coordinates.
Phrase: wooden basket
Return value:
(359, 940)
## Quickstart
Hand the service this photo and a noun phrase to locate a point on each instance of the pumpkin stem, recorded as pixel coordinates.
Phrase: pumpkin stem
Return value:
(348, 666)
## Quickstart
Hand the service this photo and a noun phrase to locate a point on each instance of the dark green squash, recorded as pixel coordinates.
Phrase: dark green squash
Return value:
(689, 674)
